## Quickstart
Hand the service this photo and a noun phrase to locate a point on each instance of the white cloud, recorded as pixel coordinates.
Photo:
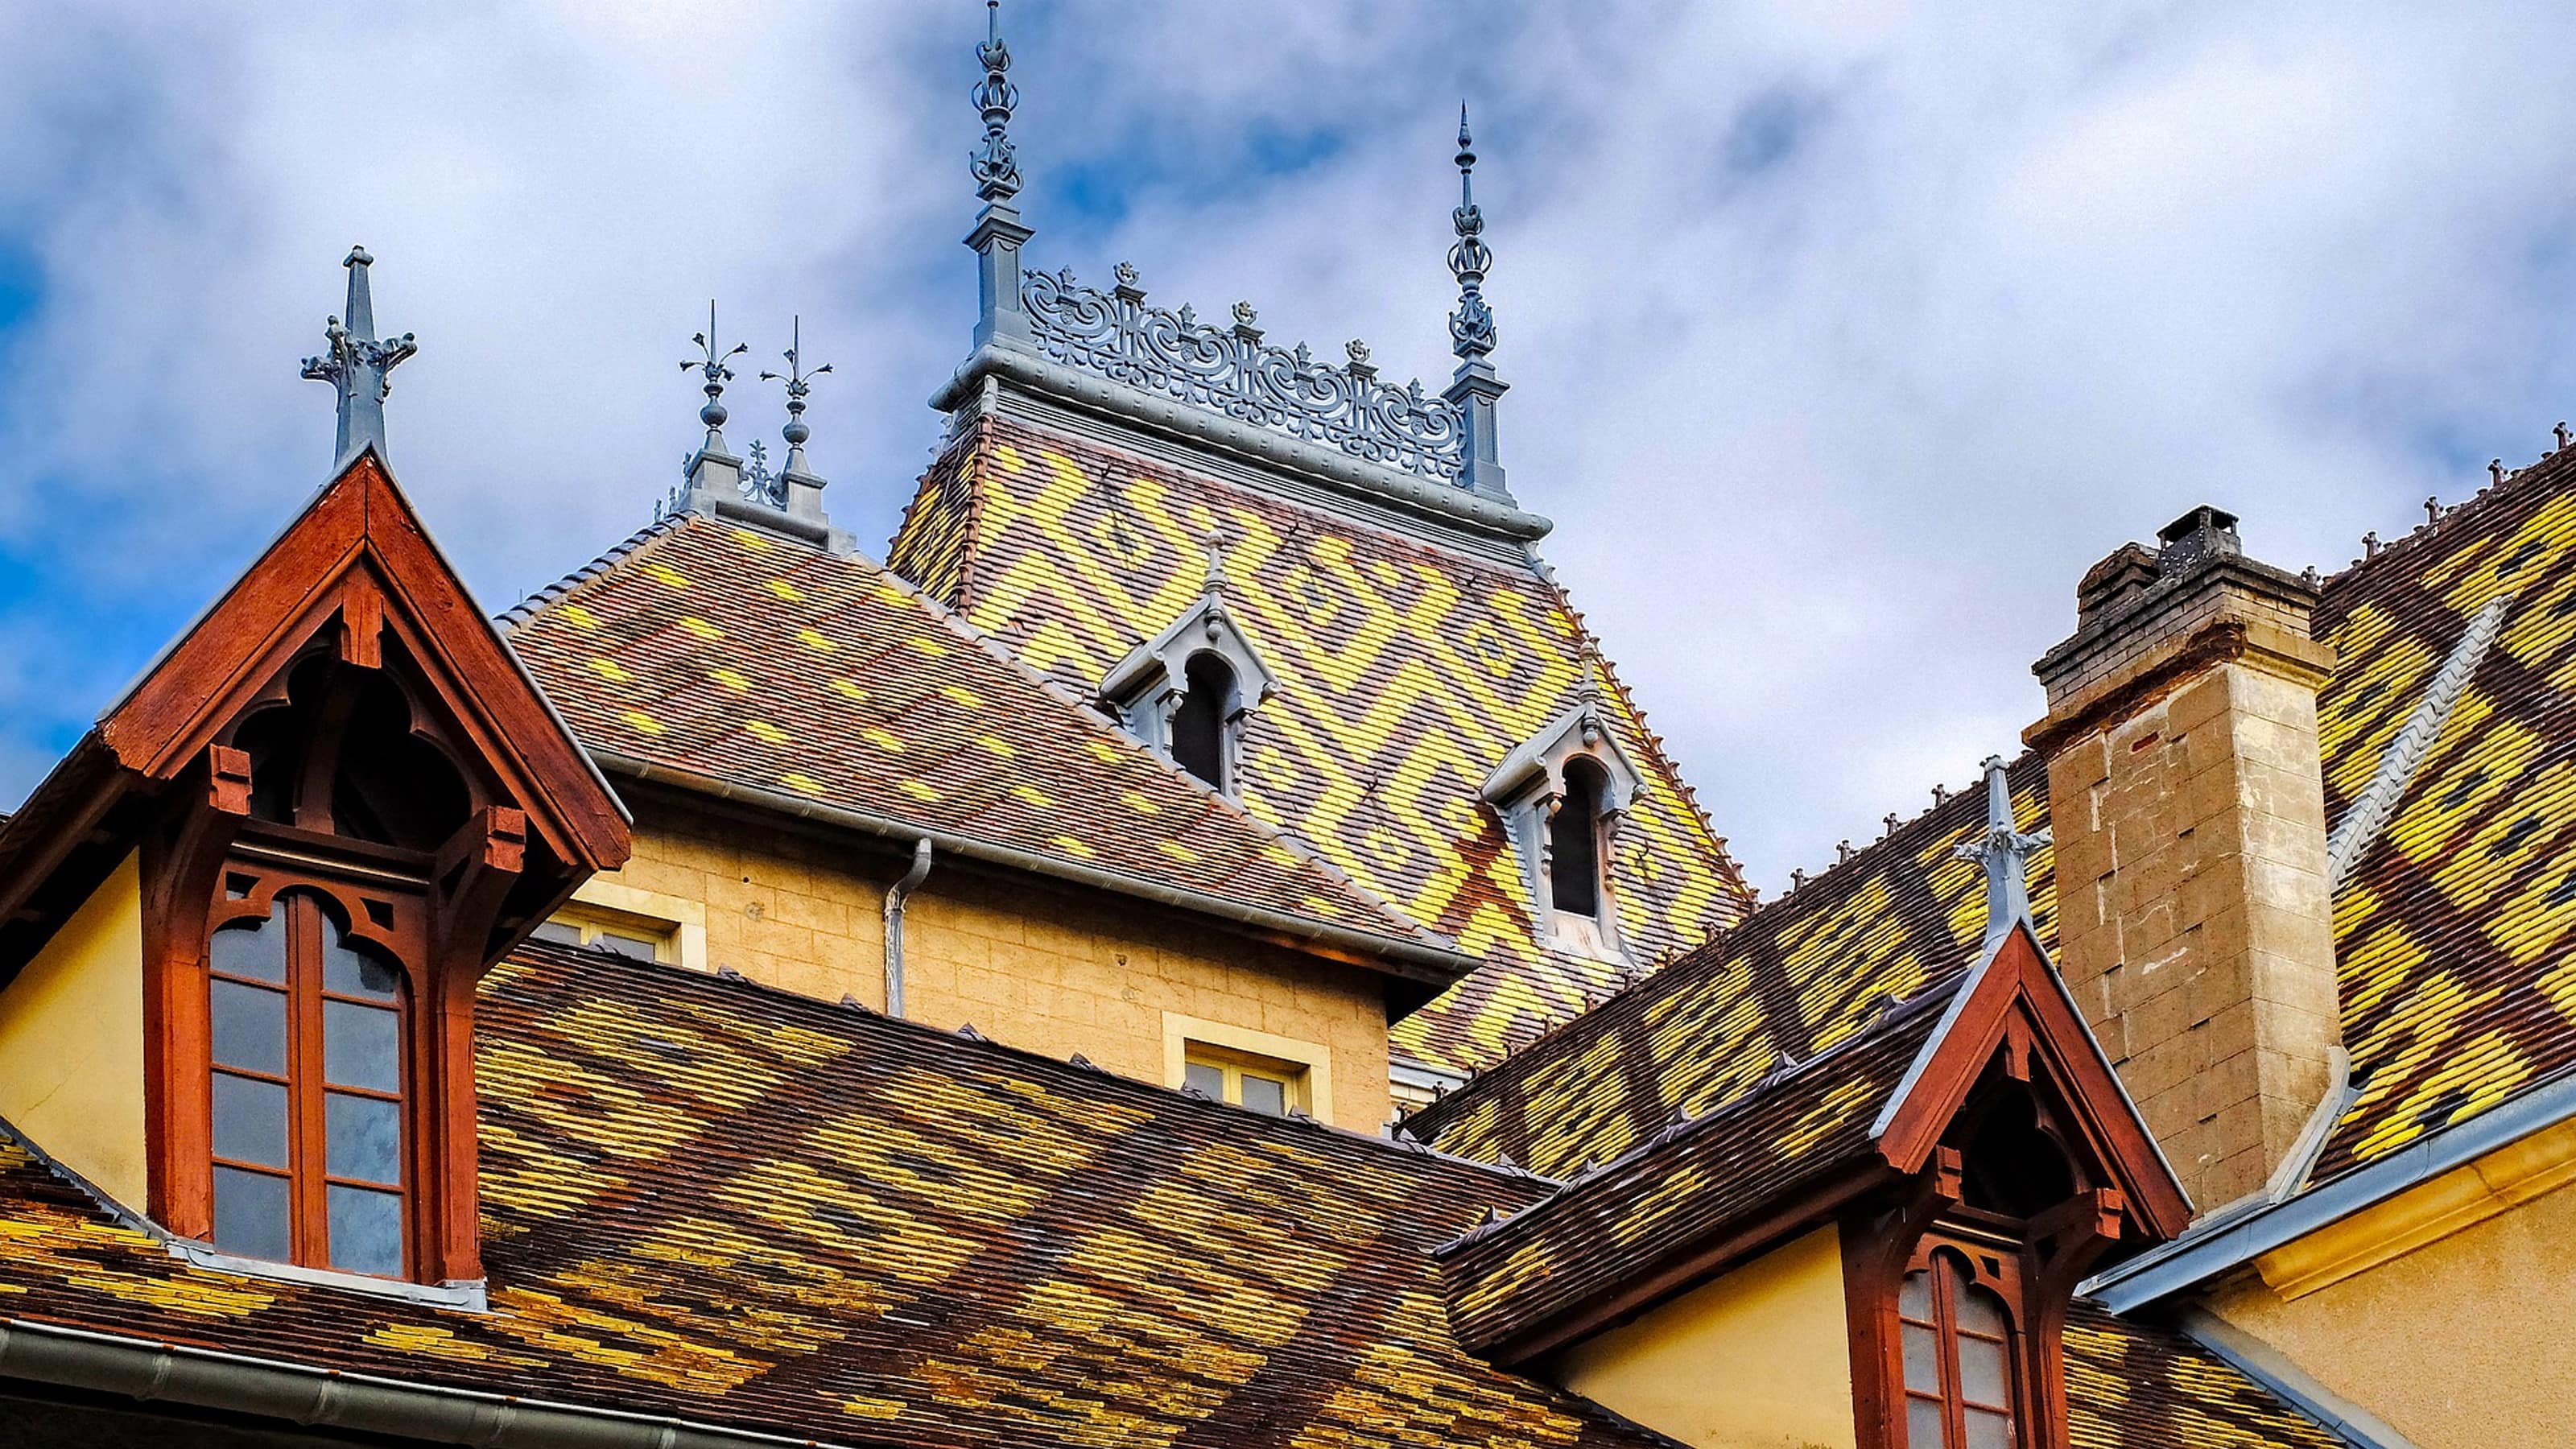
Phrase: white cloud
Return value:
(1842, 338)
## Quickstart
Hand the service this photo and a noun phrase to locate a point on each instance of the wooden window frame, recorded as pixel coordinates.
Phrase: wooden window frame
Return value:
(386, 915)
(1993, 1261)
(1293, 1076)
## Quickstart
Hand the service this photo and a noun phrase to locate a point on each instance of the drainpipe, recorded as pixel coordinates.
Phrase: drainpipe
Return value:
(894, 924)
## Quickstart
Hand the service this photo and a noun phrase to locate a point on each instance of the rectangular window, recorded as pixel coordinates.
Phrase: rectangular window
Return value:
(635, 937)
(1264, 1084)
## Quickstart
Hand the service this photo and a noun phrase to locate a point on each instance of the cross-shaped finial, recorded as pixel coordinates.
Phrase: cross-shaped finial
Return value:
(2005, 853)
(357, 363)
(715, 367)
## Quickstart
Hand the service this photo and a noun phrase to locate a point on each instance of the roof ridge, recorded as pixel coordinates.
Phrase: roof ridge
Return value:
(2504, 485)
(581, 578)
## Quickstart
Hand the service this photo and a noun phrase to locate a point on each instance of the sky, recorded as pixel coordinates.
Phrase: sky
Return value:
(1841, 339)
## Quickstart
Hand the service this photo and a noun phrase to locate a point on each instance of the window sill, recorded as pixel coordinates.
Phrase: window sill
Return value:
(466, 1296)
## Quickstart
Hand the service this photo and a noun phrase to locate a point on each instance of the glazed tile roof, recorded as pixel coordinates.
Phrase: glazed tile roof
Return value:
(2457, 962)
(2456, 933)
(1407, 672)
(759, 660)
(1689, 1181)
(728, 1204)
(1798, 977)
(2135, 1384)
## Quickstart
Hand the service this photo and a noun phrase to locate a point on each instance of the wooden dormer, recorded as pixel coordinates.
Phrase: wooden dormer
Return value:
(332, 803)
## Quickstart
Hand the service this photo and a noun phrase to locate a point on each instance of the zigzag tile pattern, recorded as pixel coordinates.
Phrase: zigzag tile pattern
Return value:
(1802, 974)
(758, 660)
(2456, 933)
(1408, 672)
(731, 1205)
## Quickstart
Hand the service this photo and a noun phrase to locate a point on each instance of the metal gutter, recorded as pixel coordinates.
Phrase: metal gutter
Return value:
(2268, 1366)
(367, 1404)
(2225, 1243)
(1413, 960)
(896, 895)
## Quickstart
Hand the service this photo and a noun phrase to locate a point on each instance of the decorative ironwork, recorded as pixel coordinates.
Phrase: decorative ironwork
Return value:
(358, 363)
(1471, 327)
(996, 166)
(717, 368)
(759, 485)
(1229, 370)
(799, 384)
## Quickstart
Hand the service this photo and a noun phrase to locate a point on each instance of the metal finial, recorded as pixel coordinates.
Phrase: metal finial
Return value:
(799, 383)
(356, 364)
(2495, 469)
(2370, 544)
(714, 367)
(1889, 820)
(1843, 851)
(1471, 327)
(2433, 509)
(996, 168)
(2005, 853)
(1940, 796)
(1797, 880)
(1212, 584)
(2564, 437)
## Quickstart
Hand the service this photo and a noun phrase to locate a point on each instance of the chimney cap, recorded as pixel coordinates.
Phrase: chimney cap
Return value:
(2203, 519)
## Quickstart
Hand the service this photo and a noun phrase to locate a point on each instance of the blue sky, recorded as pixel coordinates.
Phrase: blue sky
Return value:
(1841, 338)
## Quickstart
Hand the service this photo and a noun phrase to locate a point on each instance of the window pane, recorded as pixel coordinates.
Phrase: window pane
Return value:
(250, 1213)
(251, 950)
(1265, 1094)
(366, 1137)
(1914, 1298)
(1989, 1431)
(1979, 1312)
(249, 1026)
(562, 933)
(250, 1120)
(1922, 1360)
(352, 971)
(1205, 1079)
(1981, 1370)
(361, 1046)
(1922, 1424)
(635, 946)
(366, 1231)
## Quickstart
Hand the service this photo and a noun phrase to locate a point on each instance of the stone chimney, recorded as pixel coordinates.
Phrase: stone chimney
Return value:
(2195, 922)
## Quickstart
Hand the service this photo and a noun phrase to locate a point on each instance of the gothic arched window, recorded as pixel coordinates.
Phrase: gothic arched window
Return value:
(1574, 840)
(1203, 723)
(309, 1060)
(1962, 1379)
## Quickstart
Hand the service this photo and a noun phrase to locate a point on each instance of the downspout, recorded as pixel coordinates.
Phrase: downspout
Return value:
(894, 900)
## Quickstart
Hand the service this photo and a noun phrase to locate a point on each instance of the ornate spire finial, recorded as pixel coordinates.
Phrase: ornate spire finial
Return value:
(799, 384)
(1471, 327)
(996, 168)
(714, 366)
(998, 235)
(1475, 388)
(357, 363)
(2005, 853)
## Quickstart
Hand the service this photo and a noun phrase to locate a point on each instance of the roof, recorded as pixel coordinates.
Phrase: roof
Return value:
(726, 1203)
(1799, 976)
(723, 1203)
(1610, 1227)
(2455, 931)
(736, 656)
(1407, 670)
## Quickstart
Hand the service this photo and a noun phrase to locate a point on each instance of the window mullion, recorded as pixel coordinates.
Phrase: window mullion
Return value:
(304, 977)
(1945, 1317)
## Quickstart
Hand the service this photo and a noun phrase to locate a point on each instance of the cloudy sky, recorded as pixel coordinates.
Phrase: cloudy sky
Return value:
(1842, 338)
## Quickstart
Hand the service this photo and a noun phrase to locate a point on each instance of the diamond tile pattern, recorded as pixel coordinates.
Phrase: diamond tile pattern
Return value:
(754, 659)
(1407, 673)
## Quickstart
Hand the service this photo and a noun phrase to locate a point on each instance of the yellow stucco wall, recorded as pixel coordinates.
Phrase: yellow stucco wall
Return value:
(1049, 969)
(1758, 1359)
(2459, 1344)
(71, 1041)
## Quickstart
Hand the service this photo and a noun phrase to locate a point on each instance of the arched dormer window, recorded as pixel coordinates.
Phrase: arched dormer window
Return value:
(1559, 797)
(1207, 719)
(1188, 690)
(1962, 1348)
